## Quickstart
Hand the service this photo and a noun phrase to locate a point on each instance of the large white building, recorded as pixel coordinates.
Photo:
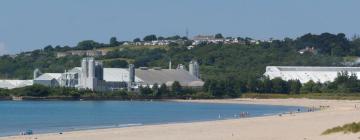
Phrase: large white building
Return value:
(11, 84)
(305, 74)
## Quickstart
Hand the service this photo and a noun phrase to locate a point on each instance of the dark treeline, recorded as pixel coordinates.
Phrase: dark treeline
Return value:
(175, 91)
(344, 83)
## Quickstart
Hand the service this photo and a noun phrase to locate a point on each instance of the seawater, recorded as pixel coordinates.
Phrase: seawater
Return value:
(60, 116)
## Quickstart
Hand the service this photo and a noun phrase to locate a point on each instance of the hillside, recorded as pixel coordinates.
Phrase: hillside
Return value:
(217, 61)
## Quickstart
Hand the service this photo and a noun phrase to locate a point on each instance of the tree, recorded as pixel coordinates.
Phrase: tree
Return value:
(155, 89)
(150, 38)
(163, 90)
(116, 64)
(146, 91)
(279, 86)
(36, 91)
(161, 38)
(309, 87)
(137, 40)
(176, 37)
(253, 85)
(295, 86)
(48, 48)
(229, 87)
(266, 85)
(176, 88)
(87, 45)
(113, 42)
(219, 36)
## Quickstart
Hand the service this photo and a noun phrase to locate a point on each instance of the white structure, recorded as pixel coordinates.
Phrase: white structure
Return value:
(70, 79)
(36, 73)
(48, 79)
(11, 84)
(305, 74)
(194, 68)
(91, 76)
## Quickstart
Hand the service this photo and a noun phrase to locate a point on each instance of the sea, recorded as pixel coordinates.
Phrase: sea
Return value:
(63, 116)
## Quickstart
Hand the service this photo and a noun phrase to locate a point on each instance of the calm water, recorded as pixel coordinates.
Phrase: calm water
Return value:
(59, 116)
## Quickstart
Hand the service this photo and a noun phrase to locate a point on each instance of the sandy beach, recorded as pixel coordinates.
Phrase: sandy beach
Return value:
(299, 126)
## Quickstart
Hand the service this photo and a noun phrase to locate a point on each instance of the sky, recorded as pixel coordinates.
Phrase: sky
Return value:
(32, 24)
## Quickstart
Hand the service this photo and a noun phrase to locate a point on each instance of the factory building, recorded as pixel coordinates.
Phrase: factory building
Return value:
(305, 74)
(48, 79)
(91, 75)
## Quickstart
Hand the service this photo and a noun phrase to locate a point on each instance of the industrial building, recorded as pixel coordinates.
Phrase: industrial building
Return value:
(305, 74)
(91, 75)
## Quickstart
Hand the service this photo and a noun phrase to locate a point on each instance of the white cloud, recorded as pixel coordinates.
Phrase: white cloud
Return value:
(2, 48)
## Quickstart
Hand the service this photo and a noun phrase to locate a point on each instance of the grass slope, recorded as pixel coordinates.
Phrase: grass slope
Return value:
(347, 128)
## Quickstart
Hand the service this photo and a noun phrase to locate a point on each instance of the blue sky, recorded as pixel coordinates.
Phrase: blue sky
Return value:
(31, 24)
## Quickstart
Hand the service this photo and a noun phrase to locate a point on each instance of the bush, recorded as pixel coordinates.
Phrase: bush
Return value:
(347, 128)
(202, 95)
(34, 91)
(4, 92)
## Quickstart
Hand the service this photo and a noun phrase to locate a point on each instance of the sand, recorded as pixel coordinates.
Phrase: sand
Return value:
(299, 126)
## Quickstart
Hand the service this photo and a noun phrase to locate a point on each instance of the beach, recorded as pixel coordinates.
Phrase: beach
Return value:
(294, 126)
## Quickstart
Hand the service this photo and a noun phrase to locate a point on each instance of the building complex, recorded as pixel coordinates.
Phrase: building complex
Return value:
(91, 75)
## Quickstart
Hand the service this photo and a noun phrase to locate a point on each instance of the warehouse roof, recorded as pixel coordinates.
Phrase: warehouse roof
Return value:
(159, 76)
(49, 76)
(305, 74)
(150, 76)
(10, 84)
(117, 75)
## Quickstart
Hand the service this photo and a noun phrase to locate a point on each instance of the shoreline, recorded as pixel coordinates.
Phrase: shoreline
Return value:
(339, 111)
(114, 126)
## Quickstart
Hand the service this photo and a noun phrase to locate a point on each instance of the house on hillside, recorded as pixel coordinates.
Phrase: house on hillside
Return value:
(308, 49)
(90, 53)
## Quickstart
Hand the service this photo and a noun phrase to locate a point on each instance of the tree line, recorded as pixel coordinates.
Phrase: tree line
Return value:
(230, 87)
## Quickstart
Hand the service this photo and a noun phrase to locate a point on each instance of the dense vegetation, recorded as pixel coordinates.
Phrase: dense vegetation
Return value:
(347, 128)
(228, 69)
(231, 87)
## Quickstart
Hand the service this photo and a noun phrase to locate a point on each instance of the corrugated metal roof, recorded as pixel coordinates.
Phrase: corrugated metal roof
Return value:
(152, 76)
(118, 75)
(10, 84)
(49, 76)
(305, 74)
